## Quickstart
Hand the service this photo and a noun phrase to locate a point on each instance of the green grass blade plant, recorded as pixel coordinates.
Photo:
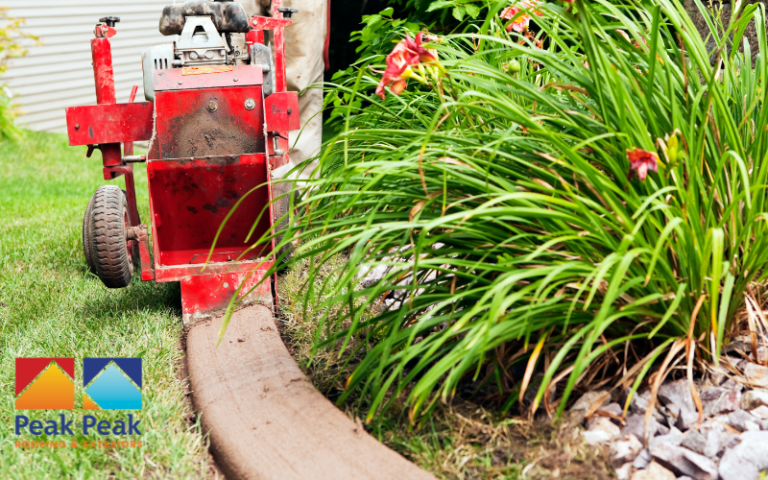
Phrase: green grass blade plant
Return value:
(498, 199)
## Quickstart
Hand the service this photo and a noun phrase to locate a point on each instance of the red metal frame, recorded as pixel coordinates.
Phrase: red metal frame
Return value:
(269, 23)
(110, 123)
(189, 200)
(196, 175)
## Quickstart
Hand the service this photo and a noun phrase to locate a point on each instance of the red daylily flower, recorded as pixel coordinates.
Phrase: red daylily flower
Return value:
(407, 52)
(521, 22)
(641, 162)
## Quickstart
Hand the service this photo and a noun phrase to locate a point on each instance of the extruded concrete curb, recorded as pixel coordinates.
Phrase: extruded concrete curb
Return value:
(266, 420)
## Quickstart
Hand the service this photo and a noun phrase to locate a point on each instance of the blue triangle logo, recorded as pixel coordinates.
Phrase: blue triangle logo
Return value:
(113, 391)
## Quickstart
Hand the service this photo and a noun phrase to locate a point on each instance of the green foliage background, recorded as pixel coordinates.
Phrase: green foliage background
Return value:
(496, 196)
(12, 44)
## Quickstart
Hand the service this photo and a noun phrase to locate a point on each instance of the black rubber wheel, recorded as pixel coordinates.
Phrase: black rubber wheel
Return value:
(107, 225)
(87, 236)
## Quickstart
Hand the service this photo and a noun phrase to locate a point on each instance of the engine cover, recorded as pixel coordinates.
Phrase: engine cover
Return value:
(159, 57)
(229, 17)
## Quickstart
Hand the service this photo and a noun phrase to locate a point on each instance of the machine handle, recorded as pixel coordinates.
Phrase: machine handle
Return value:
(287, 11)
(110, 21)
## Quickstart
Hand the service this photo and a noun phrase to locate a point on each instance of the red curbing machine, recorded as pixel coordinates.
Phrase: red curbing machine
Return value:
(217, 118)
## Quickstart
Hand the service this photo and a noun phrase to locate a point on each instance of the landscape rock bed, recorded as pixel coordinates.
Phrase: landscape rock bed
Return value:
(727, 440)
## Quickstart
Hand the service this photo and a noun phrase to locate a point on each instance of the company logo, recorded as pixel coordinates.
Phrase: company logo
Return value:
(112, 383)
(46, 383)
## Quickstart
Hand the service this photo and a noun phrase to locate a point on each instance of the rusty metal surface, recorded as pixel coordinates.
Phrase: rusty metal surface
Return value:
(240, 75)
(189, 200)
(140, 234)
(177, 273)
(279, 46)
(269, 23)
(204, 296)
(202, 123)
(104, 76)
(110, 123)
(103, 73)
(282, 112)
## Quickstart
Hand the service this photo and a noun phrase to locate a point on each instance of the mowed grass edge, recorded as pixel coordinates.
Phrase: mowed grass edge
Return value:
(50, 306)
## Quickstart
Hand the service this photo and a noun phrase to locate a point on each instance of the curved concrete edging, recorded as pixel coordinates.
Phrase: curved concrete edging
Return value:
(266, 420)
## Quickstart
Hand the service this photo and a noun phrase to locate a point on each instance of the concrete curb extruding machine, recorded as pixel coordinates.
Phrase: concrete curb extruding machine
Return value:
(217, 118)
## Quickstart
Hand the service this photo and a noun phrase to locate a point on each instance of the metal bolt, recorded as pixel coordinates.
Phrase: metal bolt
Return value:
(181, 83)
(212, 106)
(77, 126)
(290, 111)
(234, 79)
(250, 104)
(226, 285)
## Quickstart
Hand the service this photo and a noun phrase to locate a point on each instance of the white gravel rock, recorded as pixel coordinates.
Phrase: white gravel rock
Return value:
(624, 472)
(687, 419)
(613, 408)
(754, 398)
(624, 450)
(760, 412)
(584, 403)
(643, 459)
(747, 459)
(674, 437)
(654, 471)
(685, 462)
(369, 276)
(719, 400)
(677, 393)
(635, 424)
(743, 421)
(602, 430)
(756, 374)
(640, 402)
(588, 399)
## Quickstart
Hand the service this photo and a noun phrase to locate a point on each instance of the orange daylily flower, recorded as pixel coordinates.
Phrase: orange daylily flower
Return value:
(520, 23)
(406, 53)
(640, 162)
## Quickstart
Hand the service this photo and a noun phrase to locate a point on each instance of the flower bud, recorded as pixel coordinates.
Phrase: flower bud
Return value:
(672, 148)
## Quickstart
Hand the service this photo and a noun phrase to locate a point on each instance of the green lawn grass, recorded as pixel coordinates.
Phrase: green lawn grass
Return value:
(50, 306)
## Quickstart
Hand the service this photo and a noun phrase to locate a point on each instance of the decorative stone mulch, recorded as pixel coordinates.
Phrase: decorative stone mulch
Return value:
(729, 443)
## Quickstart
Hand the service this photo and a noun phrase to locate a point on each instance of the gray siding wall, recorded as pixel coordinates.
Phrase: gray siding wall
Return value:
(58, 74)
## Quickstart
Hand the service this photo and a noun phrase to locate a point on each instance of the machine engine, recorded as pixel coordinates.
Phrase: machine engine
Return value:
(205, 32)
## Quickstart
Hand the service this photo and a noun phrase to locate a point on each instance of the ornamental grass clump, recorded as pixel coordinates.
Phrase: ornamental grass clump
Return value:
(593, 212)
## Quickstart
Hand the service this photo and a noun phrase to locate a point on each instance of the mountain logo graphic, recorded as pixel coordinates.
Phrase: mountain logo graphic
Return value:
(112, 383)
(46, 383)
